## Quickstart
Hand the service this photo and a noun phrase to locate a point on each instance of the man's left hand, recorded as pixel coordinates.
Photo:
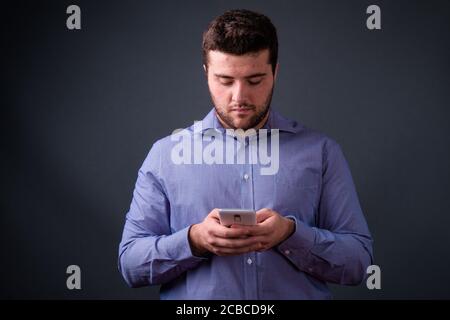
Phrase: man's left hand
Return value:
(271, 228)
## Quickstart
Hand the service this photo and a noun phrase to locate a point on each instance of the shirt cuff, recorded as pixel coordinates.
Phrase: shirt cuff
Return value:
(178, 248)
(300, 243)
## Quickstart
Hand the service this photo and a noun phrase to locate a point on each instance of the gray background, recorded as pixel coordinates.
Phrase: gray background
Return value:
(80, 110)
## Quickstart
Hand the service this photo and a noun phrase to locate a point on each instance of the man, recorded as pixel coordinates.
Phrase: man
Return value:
(310, 228)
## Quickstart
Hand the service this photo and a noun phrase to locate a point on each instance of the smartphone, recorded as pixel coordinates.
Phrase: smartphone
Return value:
(237, 216)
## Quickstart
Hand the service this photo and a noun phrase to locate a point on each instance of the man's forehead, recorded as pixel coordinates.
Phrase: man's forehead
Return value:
(255, 61)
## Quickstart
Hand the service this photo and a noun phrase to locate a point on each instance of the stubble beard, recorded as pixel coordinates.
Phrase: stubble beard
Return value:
(253, 121)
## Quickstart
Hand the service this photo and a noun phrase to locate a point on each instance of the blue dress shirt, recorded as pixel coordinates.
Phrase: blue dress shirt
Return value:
(313, 186)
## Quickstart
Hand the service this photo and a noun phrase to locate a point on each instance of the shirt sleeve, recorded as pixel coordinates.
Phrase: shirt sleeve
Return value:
(149, 252)
(339, 248)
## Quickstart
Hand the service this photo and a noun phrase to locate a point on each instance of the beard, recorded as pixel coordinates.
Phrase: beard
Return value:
(253, 121)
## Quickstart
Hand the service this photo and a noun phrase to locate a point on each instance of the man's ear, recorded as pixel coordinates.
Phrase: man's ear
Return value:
(205, 68)
(276, 71)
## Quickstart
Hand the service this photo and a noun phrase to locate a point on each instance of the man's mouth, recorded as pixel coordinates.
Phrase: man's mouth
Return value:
(242, 110)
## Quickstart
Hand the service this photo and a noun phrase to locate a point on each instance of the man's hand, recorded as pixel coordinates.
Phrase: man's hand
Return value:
(211, 236)
(271, 229)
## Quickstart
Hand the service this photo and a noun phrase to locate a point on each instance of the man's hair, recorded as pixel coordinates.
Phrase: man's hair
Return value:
(240, 32)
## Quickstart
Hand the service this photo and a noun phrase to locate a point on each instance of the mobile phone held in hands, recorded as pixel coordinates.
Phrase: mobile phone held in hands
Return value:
(237, 216)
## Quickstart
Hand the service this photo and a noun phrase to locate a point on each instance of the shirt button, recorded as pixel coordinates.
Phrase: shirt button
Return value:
(245, 176)
(287, 252)
(310, 269)
(249, 261)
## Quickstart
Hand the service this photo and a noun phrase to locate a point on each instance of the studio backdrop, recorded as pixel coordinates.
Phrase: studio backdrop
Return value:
(82, 105)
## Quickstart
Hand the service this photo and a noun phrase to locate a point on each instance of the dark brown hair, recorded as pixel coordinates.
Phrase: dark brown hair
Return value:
(240, 32)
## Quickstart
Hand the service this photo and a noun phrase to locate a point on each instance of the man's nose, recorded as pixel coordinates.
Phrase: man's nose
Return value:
(239, 93)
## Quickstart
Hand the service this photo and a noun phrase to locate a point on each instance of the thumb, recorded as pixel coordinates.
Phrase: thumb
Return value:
(263, 214)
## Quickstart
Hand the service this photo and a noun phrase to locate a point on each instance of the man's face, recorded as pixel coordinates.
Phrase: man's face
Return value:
(241, 88)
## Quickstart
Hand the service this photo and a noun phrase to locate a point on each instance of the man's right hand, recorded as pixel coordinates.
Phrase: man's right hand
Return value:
(211, 236)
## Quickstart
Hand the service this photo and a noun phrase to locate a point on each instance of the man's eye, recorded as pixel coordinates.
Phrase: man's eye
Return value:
(254, 83)
(226, 83)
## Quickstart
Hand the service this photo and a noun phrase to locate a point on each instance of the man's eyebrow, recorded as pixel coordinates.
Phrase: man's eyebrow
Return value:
(218, 75)
(255, 75)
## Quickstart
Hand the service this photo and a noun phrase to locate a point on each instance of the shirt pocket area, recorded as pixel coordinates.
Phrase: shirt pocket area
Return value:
(296, 193)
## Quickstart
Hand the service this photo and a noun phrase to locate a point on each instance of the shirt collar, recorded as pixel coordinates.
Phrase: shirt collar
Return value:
(275, 121)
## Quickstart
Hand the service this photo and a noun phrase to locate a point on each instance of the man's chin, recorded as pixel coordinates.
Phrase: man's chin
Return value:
(239, 124)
